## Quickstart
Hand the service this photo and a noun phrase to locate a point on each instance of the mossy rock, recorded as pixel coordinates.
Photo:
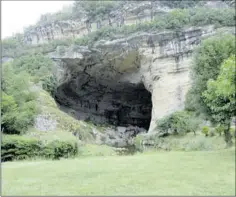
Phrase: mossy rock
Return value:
(65, 122)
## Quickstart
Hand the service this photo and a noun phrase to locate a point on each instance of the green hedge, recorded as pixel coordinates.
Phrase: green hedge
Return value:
(15, 147)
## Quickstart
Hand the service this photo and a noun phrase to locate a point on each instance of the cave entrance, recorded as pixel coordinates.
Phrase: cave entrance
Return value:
(131, 105)
(121, 104)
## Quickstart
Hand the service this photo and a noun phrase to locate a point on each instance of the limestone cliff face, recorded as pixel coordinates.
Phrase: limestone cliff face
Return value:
(128, 13)
(134, 80)
(130, 81)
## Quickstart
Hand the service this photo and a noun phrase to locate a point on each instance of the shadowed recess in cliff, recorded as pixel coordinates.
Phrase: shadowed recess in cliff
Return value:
(106, 102)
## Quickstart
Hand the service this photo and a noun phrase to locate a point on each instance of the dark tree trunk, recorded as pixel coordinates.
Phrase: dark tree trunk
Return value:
(228, 136)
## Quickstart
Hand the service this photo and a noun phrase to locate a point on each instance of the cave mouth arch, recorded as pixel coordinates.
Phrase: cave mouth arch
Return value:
(106, 102)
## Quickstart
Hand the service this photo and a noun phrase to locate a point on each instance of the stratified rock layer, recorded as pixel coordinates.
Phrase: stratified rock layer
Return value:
(130, 81)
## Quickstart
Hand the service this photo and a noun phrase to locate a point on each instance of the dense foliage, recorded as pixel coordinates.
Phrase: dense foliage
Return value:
(15, 147)
(18, 94)
(18, 100)
(179, 122)
(205, 130)
(38, 66)
(207, 61)
(213, 89)
(220, 96)
(95, 10)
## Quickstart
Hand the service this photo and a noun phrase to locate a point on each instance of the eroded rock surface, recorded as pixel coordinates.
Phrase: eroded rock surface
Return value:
(125, 13)
(134, 80)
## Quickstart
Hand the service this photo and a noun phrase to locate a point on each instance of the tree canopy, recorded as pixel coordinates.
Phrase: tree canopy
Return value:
(207, 61)
(18, 101)
(220, 95)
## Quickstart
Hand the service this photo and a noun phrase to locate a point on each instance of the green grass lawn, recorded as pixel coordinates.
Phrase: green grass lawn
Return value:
(160, 173)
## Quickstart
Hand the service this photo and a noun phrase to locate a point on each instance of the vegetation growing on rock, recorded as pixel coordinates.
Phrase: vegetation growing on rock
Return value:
(174, 20)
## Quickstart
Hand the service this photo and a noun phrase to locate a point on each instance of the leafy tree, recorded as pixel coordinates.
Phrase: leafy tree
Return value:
(8, 111)
(95, 9)
(220, 96)
(177, 19)
(219, 17)
(18, 101)
(205, 130)
(36, 65)
(207, 60)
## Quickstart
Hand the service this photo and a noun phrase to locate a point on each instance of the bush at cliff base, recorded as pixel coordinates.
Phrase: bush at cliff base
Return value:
(16, 147)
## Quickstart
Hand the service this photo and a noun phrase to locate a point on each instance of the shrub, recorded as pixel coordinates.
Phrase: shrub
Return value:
(233, 132)
(179, 122)
(211, 132)
(58, 149)
(138, 142)
(16, 147)
(182, 143)
(37, 65)
(219, 129)
(49, 83)
(205, 130)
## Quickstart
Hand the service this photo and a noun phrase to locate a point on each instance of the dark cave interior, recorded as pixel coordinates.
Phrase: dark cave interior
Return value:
(106, 102)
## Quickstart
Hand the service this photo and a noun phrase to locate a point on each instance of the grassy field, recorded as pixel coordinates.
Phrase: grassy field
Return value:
(160, 173)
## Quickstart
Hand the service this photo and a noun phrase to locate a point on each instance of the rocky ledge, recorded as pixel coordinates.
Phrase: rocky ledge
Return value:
(133, 80)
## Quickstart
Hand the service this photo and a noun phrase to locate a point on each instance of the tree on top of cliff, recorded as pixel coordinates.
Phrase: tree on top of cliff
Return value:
(179, 3)
(94, 9)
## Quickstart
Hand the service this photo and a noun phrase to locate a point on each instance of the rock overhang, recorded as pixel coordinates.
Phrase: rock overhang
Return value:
(149, 60)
